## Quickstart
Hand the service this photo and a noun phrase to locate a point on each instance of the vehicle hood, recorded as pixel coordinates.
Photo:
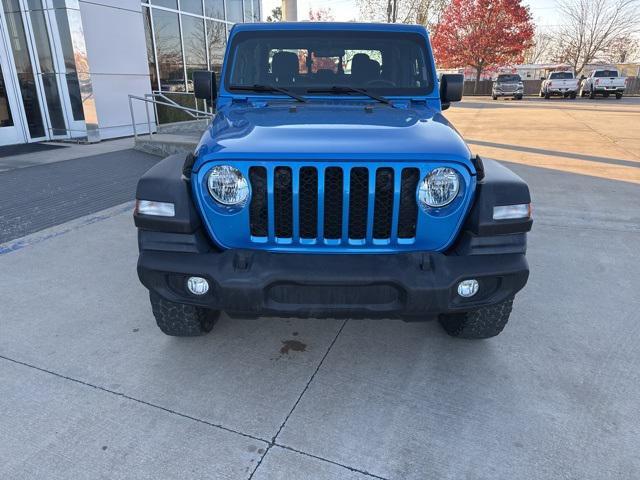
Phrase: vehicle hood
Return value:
(331, 130)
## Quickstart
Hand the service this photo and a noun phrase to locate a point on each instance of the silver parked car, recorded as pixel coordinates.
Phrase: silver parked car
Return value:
(508, 85)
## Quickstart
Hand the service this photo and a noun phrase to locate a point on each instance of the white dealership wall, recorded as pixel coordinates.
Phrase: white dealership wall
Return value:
(117, 56)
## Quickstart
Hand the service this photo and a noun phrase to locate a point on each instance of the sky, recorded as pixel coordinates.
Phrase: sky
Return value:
(544, 11)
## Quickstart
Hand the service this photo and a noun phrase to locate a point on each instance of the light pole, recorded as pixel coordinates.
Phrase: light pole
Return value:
(290, 10)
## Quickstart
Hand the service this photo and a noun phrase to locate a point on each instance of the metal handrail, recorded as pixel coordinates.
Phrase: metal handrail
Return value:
(156, 93)
(199, 114)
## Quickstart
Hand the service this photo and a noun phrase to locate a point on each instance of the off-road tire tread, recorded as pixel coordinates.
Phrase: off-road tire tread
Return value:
(180, 320)
(485, 322)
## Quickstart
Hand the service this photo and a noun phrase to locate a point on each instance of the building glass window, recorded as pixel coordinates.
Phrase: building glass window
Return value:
(24, 68)
(6, 120)
(248, 10)
(48, 70)
(214, 9)
(75, 59)
(234, 11)
(151, 56)
(166, 3)
(11, 6)
(166, 27)
(191, 6)
(195, 51)
(217, 44)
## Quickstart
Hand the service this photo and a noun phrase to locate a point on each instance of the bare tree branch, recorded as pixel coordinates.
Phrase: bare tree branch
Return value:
(592, 29)
(541, 51)
(422, 12)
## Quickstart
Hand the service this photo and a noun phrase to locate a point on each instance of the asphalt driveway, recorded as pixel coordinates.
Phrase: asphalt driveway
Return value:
(90, 388)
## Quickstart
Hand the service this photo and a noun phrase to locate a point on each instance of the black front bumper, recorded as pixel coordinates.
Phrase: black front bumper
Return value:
(406, 285)
(259, 283)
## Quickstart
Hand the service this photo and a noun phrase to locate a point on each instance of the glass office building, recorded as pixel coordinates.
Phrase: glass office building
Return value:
(67, 67)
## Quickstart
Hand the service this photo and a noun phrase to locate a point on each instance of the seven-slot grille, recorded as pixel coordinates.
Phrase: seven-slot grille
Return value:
(334, 205)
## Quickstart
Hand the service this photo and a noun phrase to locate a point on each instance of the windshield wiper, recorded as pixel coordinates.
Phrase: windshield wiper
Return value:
(350, 89)
(268, 88)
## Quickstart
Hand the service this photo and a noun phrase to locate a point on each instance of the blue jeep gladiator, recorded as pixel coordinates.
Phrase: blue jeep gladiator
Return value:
(329, 184)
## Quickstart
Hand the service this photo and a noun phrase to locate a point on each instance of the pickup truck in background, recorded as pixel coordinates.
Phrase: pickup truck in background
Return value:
(564, 84)
(508, 85)
(603, 82)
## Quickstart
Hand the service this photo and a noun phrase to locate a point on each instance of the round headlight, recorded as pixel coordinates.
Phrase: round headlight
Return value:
(227, 185)
(439, 188)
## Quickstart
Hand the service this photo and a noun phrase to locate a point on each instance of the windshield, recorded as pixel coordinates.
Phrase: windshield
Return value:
(313, 62)
(509, 78)
(561, 76)
(606, 73)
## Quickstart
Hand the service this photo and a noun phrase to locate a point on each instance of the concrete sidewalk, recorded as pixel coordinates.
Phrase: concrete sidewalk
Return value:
(92, 389)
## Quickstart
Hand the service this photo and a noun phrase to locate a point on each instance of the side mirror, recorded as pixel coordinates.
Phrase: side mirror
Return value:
(205, 86)
(451, 86)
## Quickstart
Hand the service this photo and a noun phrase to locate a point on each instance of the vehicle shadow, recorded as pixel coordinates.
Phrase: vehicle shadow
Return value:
(556, 153)
(579, 105)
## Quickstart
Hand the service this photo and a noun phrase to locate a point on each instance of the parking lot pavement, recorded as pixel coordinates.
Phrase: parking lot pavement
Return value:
(597, 137)
(83, 367)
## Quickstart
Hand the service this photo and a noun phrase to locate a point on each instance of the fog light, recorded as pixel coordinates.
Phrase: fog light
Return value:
(468, 288)
(197, 285)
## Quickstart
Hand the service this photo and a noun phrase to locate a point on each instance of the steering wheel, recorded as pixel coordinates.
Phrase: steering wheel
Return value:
(380, 83)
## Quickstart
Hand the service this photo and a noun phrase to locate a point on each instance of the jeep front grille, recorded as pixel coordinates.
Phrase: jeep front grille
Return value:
(333, 205)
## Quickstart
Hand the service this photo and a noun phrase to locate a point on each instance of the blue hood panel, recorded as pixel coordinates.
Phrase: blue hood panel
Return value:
(339, 130)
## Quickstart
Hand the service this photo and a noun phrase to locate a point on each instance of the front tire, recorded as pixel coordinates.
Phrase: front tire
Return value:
(180, 320)
(547, 95)
(618, 96)
(485, 322)
(592, 94)
(573, 96)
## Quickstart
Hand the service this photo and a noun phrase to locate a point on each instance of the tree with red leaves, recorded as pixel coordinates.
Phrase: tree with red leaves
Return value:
(483, 33)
